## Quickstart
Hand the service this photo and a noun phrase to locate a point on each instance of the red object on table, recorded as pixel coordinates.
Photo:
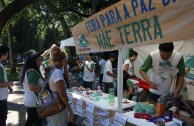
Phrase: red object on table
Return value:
(143, 84)
(142, 116)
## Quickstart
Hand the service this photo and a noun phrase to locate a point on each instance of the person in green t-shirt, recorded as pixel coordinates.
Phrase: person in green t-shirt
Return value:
(4, 86)
(164, 64)
(88, 67)
(32, 82)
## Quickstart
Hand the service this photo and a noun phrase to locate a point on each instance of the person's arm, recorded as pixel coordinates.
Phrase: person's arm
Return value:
(108, 71)
(130, 87)
(66, 73)
(4, 84)
(63, 96)
(33, 78)
(111, 74)
(126, 67)
(100, 64)
(180, 76)
(143, 71)
(79, 67)
(90, 69)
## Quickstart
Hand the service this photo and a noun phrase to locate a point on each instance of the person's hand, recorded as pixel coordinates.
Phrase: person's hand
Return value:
(130, 92)
(114, 76)
(71, 117)
(153, 85)
(10, 89)
(77, 61)
(175, 94)
(84, 63)
(10, 83)
(65, 62)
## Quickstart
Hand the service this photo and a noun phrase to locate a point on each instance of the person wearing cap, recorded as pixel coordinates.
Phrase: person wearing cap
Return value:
(164, 64)
(88, 68)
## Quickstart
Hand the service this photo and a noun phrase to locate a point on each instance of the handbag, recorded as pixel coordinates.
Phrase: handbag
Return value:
(49, 104)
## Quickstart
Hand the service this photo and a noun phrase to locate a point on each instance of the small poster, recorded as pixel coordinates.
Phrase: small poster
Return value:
(89, 107)
(103, 112)
(79, 102)
(118, 118)
(79, 109)
(115, 123)
(70, 97)
(104, 121)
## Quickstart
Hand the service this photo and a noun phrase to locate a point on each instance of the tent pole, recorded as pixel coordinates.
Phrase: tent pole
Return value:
(120, 79)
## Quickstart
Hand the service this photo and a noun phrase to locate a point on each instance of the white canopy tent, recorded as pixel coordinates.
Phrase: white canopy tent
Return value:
(67, 42)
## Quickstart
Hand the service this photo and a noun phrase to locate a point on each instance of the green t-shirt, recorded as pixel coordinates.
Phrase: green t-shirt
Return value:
(33, 77)
(148, 64)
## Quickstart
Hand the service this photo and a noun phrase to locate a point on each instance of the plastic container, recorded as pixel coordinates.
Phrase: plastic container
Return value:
(160, 109)
(96, 96)
(151, 109)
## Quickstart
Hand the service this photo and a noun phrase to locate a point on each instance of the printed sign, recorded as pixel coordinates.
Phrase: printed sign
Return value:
(133, 23)
(89, 107)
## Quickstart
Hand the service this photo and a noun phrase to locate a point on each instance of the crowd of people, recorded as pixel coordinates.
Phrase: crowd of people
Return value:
(164, 63)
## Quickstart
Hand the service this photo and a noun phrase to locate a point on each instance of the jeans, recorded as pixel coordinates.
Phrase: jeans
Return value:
(33, 118)
(3, 112)
(87, 84)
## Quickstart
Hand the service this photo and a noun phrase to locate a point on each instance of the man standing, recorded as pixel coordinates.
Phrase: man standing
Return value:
(102, 65)
(88, 68)
(163, 64)
(4, 86)
(108, 73)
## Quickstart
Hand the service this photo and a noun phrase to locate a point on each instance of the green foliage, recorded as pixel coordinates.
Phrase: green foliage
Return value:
(12, 76)
(45, 22)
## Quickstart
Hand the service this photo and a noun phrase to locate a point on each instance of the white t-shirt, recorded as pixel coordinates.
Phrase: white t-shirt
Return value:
(163, 71)
(130, 69)
(56, 76)
(30, 97)
(106, 77)
(3, 91)
(89, 76)
(102, 64)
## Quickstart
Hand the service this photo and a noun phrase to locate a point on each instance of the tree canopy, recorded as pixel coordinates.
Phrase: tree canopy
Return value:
(38, 24)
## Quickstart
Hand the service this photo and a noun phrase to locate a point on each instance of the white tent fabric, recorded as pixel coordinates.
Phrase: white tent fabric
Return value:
(67, 42)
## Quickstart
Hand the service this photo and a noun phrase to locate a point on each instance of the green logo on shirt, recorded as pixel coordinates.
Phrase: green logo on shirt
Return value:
(165, 64)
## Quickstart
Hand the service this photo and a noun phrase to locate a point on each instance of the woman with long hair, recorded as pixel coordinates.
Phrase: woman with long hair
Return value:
(32, 82)
(57, 84)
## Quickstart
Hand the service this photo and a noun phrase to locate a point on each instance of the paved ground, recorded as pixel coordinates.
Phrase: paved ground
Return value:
(16, 110)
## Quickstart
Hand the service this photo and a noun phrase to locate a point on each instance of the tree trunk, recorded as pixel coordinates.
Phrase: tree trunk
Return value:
(67, 33)
(94, 6)
(11, 53)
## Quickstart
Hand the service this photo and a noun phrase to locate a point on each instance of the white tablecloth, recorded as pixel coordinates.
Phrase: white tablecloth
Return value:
(103, 103)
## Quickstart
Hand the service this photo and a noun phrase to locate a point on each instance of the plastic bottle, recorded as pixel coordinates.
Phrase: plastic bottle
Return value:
(111, 96)
(96, 96)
